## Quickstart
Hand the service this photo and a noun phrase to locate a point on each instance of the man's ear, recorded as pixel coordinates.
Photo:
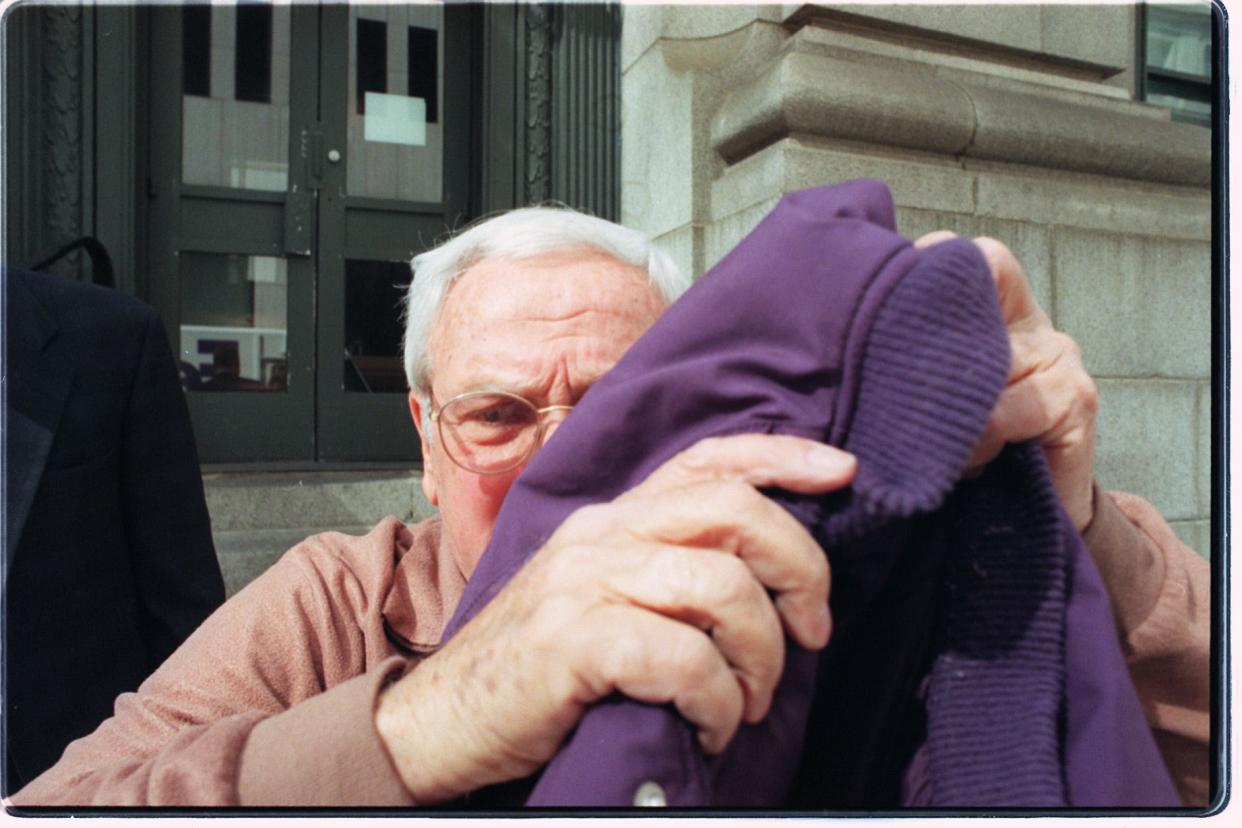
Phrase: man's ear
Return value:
(430, 488)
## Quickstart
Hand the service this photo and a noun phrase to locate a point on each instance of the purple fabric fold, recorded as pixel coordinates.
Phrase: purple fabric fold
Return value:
(825, 323)
(1106, 733)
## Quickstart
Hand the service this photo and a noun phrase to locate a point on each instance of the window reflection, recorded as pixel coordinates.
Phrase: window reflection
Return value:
(1179, 60)
(233, 323)
(196, 51)
(424, 71)
(1179, 38)
(252, 59)
(372, 66)
(396, 63)
(235, 96)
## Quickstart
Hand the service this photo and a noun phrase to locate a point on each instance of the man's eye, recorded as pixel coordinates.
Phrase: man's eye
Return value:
(505, 414)
(495, 416)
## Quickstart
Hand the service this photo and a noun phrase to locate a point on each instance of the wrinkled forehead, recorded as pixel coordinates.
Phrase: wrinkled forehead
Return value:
(548, 287)
(499, 306)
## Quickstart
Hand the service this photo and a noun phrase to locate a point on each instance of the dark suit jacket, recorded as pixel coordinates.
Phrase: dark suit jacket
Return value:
(109, 563)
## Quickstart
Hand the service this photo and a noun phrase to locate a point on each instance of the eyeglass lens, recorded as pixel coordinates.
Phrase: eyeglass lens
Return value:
(489, 433)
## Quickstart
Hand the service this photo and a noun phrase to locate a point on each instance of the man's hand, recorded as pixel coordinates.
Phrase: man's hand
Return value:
(1049, 394)
(662, 594)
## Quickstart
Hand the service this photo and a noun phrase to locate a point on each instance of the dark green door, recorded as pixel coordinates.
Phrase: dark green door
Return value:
(394, 94)
(300, 156)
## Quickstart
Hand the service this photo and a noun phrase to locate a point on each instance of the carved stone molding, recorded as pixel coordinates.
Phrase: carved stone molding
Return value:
(538, 121)
(848, 96)
(61, 127)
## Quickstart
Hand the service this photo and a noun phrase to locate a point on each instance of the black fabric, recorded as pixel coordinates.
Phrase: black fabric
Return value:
(109, 562)
(882, 650)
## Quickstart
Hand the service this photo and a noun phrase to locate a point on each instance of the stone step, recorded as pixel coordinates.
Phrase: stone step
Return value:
(288, 500)
(257, 516)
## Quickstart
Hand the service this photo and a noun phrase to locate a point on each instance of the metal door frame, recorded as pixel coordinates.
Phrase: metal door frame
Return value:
(506, 57)
(233, 426)
(315, 420)
(351, 425)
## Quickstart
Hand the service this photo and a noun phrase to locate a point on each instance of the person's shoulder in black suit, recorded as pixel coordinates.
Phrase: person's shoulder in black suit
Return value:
(110, 563)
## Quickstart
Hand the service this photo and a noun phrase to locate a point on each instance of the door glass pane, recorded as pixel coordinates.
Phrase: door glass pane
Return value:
(233, 323)
(235, 96)
(374, 297)
(396, 84)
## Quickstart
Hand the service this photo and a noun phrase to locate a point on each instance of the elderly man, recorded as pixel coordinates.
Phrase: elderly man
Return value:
(323, 682)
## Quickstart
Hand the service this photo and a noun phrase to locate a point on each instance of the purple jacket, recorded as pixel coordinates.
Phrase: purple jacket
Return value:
(974, 660)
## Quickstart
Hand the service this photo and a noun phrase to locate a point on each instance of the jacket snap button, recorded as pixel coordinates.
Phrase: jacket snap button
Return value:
(650, 795)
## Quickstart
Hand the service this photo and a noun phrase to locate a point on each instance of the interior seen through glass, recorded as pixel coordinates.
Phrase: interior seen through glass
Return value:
(233, 323)
(374, 293)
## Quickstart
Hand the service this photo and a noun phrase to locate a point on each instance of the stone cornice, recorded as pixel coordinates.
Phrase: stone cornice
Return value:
(882, 102)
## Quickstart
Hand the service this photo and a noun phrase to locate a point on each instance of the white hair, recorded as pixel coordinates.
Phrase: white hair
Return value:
(517, 235)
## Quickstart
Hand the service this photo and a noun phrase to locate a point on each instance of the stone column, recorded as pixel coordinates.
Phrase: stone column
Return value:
(45, 147)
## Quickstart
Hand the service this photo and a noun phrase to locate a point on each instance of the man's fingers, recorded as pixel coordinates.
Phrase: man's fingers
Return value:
(1018, 305)
(721, 596)
(680, 590)
(933, 238)
(673, 506)
(1049, 392)
(760, 460)
(732, 517)
(1052, 405)
(1018, 415)
(659, 660)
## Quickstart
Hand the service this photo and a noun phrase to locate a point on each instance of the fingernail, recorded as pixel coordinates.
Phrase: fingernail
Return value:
(826, 458)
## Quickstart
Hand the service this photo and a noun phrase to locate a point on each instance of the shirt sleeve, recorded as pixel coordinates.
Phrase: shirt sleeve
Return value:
(285, 762)
(272, 664)
(1160, 592)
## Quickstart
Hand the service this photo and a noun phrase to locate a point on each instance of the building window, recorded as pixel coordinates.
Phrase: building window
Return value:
(1178, 59)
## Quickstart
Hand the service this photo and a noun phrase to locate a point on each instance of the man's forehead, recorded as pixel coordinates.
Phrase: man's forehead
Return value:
(504, 322)
(550, 285)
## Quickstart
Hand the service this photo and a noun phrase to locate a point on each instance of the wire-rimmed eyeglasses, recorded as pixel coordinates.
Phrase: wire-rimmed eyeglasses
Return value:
(491, 432)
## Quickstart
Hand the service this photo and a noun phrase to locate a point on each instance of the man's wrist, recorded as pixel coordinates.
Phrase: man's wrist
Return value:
(416, 726)
(393, 726)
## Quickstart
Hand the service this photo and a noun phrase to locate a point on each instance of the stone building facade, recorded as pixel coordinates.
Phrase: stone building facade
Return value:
(1018, 122)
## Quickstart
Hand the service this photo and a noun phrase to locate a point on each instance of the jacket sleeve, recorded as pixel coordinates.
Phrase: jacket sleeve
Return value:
(1160, 592)
(267, 677)
(167, 527)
